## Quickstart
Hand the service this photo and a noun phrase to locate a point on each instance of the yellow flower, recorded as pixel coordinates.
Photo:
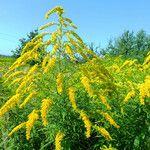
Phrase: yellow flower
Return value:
(10, 104)
(59, 10)
(17, 80)
(71, 93)
(45, 60)
(144, 90)
(46, 103)
(59, 82)
(27, 99)
(32, 118)
(104, 101)
(87, 123)
(55, 48)
(85, 82)
(110, 120)
(69, 52)
(32, 70)
(129, 95)
(104, 133)
(17, 128)
(46, 25)
(50, 64)
(24, 83)
(58, 139)
(14, 74)
(53, 37)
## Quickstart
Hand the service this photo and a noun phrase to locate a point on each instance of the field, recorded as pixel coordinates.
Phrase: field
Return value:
(69, 98)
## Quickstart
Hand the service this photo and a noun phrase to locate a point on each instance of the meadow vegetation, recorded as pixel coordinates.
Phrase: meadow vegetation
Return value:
(70, 98)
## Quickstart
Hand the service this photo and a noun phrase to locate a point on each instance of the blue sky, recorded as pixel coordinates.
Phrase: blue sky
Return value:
(97, 21)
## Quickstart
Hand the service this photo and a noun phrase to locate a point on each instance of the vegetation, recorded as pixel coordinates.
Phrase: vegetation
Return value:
(129, 45)
(62, 103)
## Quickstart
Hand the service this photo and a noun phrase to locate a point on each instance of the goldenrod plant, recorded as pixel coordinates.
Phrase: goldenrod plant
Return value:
(69, 103)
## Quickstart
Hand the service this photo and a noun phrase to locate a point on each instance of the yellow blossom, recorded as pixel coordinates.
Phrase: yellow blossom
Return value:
(32, 118)
(46, 25)
(85, 82)
(45, 60)
(110, 119)
(55, 48)
(46, 103)
(59, 82)
(14, 74)
(24, 83)
(129, 95)
(18, 127)
(58, 139)
(144, 90)
(9, 104)
(104, 133)
(71, 93)
(50, 64)
(59, 10)
(32, 70)
(69, 52)
(27, 99)
(87, 123)
(104, 101)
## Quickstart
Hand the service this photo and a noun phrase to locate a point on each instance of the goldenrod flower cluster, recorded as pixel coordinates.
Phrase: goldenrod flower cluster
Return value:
(144, 90)
(69, 52)
(58, 139)
(129, 95)
(59, 82)
(50, 64)
(18, 127)
(14, 100)
(104, 133)
(104, 101)
(32, 118)
(46, 103)
(85, 82)
(29, 97)
(59, 10)
(87, 123)
(110, 119)
(71, 93)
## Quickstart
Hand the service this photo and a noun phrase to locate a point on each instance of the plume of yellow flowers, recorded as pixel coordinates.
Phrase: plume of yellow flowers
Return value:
(110, 119)
(59, 10)
(50, 64)
(46, 103)
(85, 82)
(104, 133)
(29, 97)
(104, 101)
(58, 139)
(144, 89)
(10, 104)
(71, 93)
(129, 95)
(59, 82)
(87, 123)
(69, 52)
(17, 128)
(32, 118)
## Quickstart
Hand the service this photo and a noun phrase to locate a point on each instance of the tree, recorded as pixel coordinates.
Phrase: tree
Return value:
(129, 45)
(23, 42)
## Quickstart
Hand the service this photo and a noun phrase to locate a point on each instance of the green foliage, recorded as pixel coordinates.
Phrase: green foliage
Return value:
(129, 45)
